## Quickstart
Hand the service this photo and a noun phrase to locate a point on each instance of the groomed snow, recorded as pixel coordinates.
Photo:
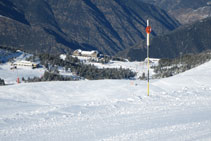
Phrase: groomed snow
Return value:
(178, 108)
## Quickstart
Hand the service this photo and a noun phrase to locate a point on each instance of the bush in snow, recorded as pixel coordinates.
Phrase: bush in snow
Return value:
(2, 82)
(143, 77)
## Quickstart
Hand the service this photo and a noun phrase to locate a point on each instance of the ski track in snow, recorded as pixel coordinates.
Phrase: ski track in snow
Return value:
(178, 108)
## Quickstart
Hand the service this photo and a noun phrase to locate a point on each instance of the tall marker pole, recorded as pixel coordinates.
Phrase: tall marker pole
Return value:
(148, 31)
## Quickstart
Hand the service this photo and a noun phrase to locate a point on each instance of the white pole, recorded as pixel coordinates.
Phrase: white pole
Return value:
(148, 60)
(147, 34)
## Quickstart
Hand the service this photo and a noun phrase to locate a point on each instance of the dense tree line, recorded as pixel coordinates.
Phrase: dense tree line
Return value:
(170, 67)
(91, 72)
(48, 76)
(52, 62)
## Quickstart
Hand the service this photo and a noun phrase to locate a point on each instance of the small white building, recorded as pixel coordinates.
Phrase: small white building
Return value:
(25, 63)
(80, 52)
(152, 61)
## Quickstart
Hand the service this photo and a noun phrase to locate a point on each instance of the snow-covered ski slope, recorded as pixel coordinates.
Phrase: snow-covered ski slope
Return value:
(178, 109)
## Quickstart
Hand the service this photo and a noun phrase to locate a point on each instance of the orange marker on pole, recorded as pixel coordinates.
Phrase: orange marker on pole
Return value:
(18, 80)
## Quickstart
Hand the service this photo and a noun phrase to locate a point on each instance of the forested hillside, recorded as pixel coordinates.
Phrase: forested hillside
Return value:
(193, 38)
(59, 26)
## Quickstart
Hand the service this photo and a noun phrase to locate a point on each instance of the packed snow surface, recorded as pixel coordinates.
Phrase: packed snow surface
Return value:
(178, 108)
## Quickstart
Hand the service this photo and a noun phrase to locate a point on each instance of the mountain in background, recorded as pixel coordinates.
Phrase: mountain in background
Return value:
(185, 11)
(61, 26)
(192, 38)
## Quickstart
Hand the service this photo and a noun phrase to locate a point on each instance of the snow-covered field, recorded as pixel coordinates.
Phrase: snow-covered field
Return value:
(10, 75)
(178, 109)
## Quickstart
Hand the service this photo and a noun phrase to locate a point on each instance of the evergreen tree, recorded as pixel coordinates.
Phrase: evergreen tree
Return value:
(2, 82)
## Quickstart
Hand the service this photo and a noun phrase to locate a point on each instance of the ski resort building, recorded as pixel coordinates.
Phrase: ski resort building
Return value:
(25, 63)
(80, 52)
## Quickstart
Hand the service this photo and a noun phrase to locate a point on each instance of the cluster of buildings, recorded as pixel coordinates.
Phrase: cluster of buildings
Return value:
(78, 52)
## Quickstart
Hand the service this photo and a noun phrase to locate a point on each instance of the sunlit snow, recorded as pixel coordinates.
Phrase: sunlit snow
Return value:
(178, 108)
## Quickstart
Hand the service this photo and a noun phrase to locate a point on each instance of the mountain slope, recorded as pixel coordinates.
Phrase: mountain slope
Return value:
(193, 38)
(63, 25)
(8, 9)
(185, 11)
